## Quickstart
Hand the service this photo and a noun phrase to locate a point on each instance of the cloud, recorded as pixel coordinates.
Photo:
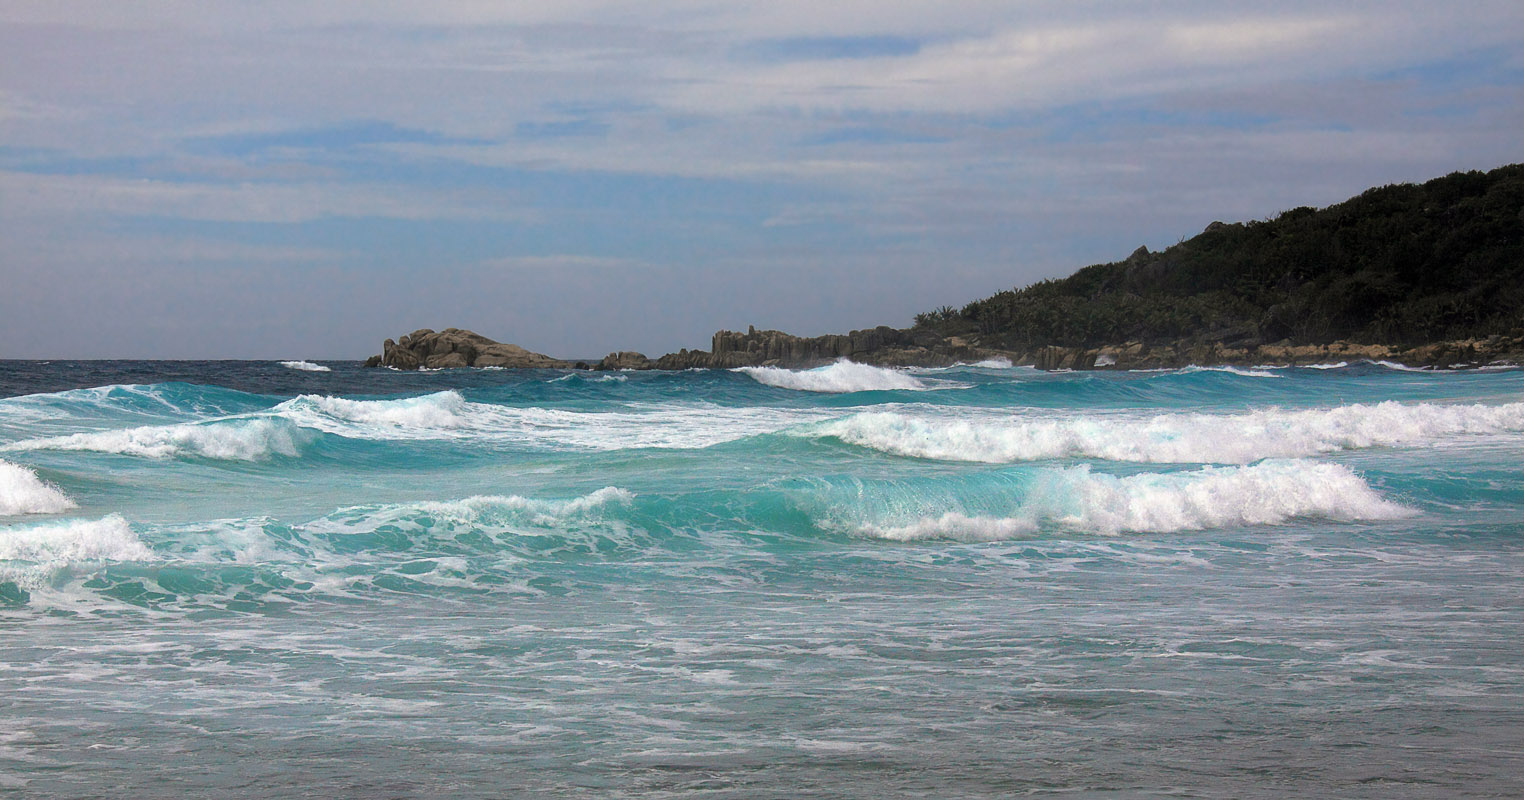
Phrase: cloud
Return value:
(32, 195)
(588, 149)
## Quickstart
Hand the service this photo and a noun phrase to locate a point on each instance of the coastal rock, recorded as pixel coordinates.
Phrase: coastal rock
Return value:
(453, 347)
(625, 359)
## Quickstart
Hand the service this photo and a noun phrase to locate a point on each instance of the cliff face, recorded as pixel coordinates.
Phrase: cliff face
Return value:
(453, 347)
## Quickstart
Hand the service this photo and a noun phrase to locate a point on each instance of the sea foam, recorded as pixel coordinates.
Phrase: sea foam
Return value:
(22, 492)
(253, 439)
(449, 415)
(306, 366)
(1170, 438)
(1077, 499)
(840, 377)
(29, 554)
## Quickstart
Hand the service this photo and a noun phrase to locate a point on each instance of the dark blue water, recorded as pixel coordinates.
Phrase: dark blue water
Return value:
(232, 579)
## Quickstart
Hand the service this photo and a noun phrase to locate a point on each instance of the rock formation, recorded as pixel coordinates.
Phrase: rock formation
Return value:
(453, 347)
(882, 346)
(918, 347)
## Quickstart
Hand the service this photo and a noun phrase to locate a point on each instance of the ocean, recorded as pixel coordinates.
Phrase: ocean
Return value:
(294, 579)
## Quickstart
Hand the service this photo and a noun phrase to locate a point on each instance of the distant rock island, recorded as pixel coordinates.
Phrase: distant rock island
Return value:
(453, 347)
(1423, 275)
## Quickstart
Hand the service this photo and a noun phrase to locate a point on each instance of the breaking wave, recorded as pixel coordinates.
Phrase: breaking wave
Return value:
(306, 366)
(29, 554)
(22, 492)
(448, 415)
(841, 377)
(1171, 438)
(1076, 499)
(230, 439)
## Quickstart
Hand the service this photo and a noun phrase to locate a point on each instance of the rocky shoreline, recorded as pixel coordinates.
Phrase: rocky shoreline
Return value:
(919, 347)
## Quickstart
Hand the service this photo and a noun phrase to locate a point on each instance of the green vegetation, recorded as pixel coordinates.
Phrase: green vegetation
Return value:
(1401, 265)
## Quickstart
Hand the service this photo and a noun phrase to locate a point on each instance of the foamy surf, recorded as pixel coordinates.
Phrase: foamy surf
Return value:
(1170, 438)
(305, 366)
(838, 378)
(22, 492)
(28, 555)
(449, 415)
(253, 439)
(1079, 500)
(484, 509)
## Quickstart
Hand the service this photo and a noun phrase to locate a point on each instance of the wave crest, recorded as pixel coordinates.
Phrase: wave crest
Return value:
(1076, 499)
(22, 492)
(228, 440)
(305, 366)
(28, 555)
(841, 377)
(1172, 438)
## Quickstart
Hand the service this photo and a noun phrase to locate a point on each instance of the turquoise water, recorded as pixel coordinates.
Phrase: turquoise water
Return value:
(231, 579)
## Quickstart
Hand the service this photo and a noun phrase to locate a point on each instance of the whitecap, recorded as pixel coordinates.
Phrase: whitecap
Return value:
(233, 439)
(1401, 367)
(1168, 438)
(840, 377)
(1262, 371)
(1077, 499)
(448, 415)
(306, 366)
(22, 492)
(29, 554)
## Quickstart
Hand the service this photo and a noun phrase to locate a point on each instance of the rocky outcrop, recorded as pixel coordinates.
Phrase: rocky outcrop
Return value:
(453, 347)
(625, 359)
(882, 346)
(918, 347)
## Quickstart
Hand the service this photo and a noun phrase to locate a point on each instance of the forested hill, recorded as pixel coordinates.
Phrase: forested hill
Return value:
(1400, 265)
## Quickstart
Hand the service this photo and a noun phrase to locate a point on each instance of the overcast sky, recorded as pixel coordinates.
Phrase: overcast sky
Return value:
(301, 180)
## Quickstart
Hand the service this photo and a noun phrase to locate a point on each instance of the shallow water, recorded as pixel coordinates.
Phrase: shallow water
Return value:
(224, 579)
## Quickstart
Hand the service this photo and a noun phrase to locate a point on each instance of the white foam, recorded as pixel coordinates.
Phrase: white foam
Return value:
(448, 415)
(994, 363)
(306, 366)
(1401, 367)
(22, 492)
(1336, 365)
(483, 511)
(437, 411)
(43, 549)
(1076, 499)
(1262, 371)
(1169, 438)
(534, 511)
(843, 376)
(234, 439)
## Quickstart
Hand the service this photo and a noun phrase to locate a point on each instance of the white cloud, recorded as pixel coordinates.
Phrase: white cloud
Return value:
(29, 194)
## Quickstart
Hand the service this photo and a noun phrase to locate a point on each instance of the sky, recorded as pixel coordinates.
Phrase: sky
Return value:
(303, 180)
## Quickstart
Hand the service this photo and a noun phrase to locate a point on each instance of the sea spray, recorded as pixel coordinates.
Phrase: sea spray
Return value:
(233, 439)
(1169, 438)
(840, 377)
(30, 554)
(22, 492)
(305, 366)
(1078, 499)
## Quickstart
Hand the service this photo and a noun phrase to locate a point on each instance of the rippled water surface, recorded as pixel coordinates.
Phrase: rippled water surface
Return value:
(232, 579)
